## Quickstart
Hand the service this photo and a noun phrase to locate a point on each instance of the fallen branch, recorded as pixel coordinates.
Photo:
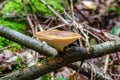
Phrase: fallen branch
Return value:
(72, 55)
(87, 70)
(27, 41)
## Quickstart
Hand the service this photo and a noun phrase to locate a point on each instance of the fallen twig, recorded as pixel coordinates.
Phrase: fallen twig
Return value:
(42, 48)
(8, 47)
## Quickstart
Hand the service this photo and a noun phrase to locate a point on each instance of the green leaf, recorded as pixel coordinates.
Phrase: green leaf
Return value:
(116, 30)
(60, 78)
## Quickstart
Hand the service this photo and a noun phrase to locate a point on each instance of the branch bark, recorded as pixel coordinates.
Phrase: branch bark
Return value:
(27, 41)
(86, 69)
(73, 55)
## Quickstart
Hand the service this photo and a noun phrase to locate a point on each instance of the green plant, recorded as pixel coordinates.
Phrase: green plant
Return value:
(1, 72)
(114, 7)
(116, 30)
(46, 77)
(13, 25)
(19, 64)
(60, 78)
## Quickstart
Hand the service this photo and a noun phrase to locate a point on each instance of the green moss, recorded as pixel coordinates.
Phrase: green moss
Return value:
(19, 26)
(15, 6)
(55, 4)
(19, 64)
(13, 25)
(46, 77)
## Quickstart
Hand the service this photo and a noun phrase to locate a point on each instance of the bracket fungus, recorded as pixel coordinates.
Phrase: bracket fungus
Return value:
(56, 38)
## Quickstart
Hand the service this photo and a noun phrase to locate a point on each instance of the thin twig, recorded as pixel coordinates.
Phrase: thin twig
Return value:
(38, 25)
(3, 4)
(28, 17)
(78, 26)
(71, 5)
(49, 24)
(83, 15)
(62, 25)
(92, 34)
(106, 63)
(10, 46)
(58, 15)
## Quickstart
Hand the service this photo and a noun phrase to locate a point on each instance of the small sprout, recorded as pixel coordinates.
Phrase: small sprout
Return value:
(58, 39)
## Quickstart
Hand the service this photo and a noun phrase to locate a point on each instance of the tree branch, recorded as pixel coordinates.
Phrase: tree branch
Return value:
(86, 69)
(27, 41)
(72, 55)
(33, 44)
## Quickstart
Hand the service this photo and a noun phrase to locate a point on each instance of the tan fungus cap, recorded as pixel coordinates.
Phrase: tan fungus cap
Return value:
(58, 39)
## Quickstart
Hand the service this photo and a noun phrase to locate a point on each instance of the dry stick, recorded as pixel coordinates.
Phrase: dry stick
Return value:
(73, 19)
(71, 55)
(33, 44)
(106, 60)
(62, 25)
(85, 70)
(28, 17)
(94, 35)
(58, 15)
(2, 5)
(35, 17)
(106, 63)
(107, 56)
(79, 26)
(83, 15)
(110, 37)
(8, 47)
(71, 5)
(48, 25)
